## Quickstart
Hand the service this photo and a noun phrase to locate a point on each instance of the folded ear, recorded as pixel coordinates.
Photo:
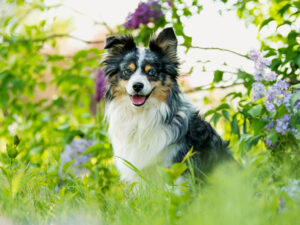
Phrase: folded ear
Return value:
(119, 42)
(165, 43)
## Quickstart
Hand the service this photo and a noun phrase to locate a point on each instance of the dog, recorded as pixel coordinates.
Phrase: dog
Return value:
(150, 120)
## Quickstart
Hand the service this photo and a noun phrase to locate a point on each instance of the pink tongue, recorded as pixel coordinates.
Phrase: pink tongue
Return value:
(138, 99)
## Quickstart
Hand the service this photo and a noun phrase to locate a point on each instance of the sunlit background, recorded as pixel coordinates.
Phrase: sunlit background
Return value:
(209, 29)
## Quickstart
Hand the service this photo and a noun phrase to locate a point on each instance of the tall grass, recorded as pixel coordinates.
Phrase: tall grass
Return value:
(252, 195)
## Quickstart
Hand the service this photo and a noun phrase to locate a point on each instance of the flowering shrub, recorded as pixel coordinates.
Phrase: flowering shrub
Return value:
(276, 96)
(73, 157)
(40, 148)
(146, 12)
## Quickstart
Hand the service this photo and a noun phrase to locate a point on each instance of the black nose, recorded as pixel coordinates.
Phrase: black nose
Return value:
(138, 86)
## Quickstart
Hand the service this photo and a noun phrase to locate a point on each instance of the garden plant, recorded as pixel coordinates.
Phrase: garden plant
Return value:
(56, 160)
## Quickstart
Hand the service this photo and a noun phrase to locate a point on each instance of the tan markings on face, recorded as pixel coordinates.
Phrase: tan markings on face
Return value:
(131, 66)
(147, 68)
(119, 89)
(161, 91)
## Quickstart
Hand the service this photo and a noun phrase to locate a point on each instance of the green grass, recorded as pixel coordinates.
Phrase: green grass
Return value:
(252, 195)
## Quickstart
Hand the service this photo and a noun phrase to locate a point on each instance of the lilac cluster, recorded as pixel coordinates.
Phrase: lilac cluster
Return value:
(260, 64)
(276, 94)
(100, 85)
(258, 91)
(146, 12)
(74, 152)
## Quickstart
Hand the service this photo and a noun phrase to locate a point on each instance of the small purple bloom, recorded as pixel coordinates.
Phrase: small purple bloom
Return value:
(74, 151)
(100, 85)
(270, 125)
(269, 142)
(258, 76)
(282, 86)
(294, 130)
(282, 124)
(254, 54)
(286, 100)
(272, 93)
(270, 75)
(270, 106)
(258, 91)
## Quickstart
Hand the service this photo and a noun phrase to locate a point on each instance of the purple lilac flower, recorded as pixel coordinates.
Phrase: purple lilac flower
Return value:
(258, 91)
(258, 75)
(74, 152)
(270, 106)
(286, 100)
(270, 125)
(270, 75)
(254, 54)
(100, 85)
(260, 63)
(272, 93)
(293, 130)
(282, 86)
(282, 124)
(269, 142)
(146, 12)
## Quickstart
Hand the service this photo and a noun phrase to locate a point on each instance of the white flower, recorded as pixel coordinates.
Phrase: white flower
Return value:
(13, 128)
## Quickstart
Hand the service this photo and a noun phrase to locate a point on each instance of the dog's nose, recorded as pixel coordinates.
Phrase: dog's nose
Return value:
(138, 86)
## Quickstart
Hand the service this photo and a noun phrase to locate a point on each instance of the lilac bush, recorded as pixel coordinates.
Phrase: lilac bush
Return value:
(275, 93)
(146, 12)
(74, 152)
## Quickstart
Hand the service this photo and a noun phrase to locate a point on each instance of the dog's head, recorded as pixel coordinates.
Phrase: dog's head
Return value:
(140, 73)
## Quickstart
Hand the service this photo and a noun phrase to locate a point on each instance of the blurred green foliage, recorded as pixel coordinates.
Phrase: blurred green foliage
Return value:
(36, 188)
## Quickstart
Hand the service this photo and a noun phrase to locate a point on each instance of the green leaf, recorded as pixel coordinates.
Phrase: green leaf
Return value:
(223, 106)
(215, 118)
(226, 114)
(133, 168)
(295, 97)
(297, 60)
(258, 125)
(296, 86)
(265, 22)
(281, 111)
(218, 76)
(175, 171)
(209, 112)
(234, 126)
(273, 136)
(255, 111)
(66, 166)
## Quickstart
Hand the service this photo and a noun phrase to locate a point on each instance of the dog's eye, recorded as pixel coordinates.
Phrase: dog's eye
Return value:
(127, 72)
(151, 72)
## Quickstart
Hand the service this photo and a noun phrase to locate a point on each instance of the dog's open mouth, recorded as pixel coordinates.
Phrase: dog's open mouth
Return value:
(139, 100)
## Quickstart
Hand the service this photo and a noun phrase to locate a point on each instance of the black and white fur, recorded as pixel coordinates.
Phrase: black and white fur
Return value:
(164, 127)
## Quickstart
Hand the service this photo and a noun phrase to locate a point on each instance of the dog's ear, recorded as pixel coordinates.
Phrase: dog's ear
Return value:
(115, 47)
(119, 43)
(165, 43)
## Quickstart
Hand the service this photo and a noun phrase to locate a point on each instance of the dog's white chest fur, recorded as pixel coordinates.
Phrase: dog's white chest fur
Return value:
(138, 136)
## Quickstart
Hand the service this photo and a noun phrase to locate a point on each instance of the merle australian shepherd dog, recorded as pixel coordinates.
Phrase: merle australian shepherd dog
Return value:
(150, 119)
